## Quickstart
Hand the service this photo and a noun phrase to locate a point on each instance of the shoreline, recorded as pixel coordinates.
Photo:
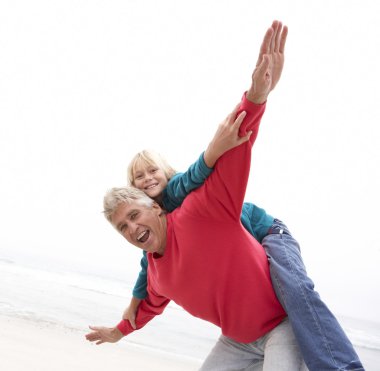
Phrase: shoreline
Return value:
(46, 346)
(43, 346)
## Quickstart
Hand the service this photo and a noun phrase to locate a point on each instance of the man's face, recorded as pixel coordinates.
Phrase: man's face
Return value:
(142, 226)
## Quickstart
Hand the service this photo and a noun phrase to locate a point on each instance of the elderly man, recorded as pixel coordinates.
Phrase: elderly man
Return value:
(202, 251)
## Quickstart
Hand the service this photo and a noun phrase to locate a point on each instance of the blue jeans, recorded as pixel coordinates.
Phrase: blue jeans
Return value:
(322, 341)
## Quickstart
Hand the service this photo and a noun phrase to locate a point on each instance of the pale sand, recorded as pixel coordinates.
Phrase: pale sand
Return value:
(27, 345)
(39, 346)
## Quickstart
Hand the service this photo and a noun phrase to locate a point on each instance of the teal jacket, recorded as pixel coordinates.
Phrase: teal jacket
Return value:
(255, 220)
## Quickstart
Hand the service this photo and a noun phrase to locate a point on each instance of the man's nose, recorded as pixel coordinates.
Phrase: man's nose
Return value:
(133, 227)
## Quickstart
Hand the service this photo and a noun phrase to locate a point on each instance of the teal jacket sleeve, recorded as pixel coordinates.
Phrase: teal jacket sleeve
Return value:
(139, 291)
(181, 184)
(256, 221)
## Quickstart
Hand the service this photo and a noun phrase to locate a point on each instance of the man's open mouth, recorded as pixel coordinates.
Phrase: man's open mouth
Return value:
(143, 236)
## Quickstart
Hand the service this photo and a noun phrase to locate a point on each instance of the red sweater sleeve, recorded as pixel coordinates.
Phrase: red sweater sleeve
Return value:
(150, 307)
(223, 193)
(252, 120)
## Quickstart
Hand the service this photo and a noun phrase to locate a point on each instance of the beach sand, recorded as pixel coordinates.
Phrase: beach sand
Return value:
(40, 346)
(43, 346)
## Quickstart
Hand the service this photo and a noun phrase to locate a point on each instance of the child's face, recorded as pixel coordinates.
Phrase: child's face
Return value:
(150, 179)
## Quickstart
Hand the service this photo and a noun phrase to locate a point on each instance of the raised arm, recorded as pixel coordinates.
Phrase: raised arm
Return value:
(225, 138)
(181, 184)
(270, 63)
(233, 131)
(224, 190)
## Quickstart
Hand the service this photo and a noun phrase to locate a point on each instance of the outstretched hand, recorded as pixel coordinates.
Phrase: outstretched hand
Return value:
(269, 64)
(104, 335)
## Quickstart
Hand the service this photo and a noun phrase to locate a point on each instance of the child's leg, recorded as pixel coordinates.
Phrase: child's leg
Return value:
(322, 341)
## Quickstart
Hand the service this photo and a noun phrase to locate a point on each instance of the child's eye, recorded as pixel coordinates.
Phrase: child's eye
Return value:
(138, 176)
(153, 170)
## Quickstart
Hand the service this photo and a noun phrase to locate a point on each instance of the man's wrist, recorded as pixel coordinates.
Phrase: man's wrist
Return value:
(116, 334)
(123, 327)
(256, 97)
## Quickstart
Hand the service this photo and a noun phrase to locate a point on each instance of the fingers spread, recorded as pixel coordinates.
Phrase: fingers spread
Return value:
(231, 117)
(284, 34)
(266, 45)
(275, 25)
(263, 67)
(277, 37)
(92, 336)
(240, 118)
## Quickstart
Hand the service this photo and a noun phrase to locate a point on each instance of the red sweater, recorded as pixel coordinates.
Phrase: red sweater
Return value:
(212, 267)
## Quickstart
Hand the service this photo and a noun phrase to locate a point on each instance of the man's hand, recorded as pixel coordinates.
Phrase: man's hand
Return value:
(104, 335)
(226, 137)
(269, 64)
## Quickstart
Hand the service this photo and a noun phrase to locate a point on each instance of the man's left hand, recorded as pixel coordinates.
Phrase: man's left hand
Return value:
(269, 64)
(104, 335)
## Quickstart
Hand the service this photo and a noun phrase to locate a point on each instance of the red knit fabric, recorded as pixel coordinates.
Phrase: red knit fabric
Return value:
(212, 267)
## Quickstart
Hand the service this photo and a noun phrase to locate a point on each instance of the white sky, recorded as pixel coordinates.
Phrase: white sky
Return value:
(84, 85)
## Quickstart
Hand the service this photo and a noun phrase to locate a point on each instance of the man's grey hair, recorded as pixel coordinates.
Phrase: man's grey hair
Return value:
(116, 196)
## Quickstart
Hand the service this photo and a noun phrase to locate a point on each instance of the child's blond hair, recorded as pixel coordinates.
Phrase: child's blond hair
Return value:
(150, 158)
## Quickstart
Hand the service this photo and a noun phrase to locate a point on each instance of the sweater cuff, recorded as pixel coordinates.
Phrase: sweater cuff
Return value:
(125, 327)
(247, 105)
(203, 168)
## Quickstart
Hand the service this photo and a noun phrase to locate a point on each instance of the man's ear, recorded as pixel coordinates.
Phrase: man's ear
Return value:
(156, 207)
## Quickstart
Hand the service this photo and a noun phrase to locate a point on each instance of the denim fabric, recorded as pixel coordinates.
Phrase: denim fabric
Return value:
(322, 341)
(275, 351)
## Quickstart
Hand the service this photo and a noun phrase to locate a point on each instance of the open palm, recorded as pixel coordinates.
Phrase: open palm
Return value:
(269, 63)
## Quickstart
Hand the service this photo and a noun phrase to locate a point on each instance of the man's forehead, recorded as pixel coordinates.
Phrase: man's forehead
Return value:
(124, 209)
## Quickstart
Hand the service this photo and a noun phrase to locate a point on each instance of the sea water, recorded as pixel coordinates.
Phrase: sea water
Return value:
(50, 292)
(75, 298)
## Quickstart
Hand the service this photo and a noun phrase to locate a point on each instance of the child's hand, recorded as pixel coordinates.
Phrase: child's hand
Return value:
(130, 313)
(226, 137)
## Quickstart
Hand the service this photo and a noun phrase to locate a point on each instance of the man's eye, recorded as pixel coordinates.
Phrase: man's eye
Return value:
(133, 216)
(122, 228)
